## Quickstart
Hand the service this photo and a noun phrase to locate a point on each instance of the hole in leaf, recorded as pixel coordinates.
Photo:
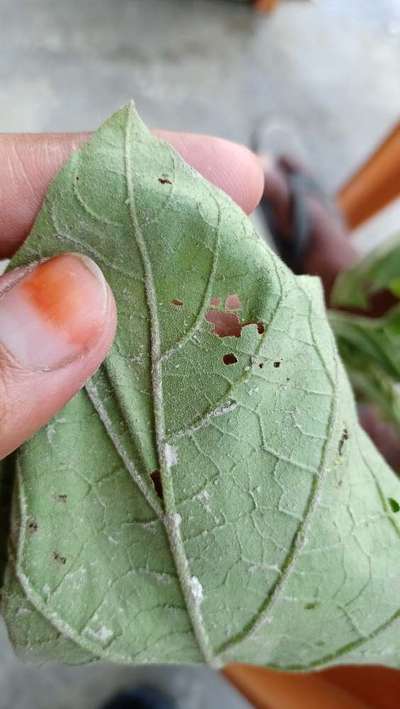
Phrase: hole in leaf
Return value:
(261, 364)
(225, 324)
(394, 505)
(33, 526)
(62, 498)
(232, 302)
(177, 301)
(156, 478)
(229, 358)
(164, 181)
(277, 364)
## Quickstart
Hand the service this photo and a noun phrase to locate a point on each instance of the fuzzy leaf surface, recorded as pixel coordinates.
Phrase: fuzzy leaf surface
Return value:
(205, 497)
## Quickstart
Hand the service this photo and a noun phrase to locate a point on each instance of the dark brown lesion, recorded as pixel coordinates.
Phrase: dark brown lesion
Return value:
(229, 358)
(344, 437)
(59, 558)
(156, 478)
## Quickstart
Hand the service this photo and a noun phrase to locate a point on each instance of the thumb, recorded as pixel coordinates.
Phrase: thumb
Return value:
(57, 322)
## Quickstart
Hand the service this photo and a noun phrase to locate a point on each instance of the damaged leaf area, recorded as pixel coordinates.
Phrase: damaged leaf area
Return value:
(209, 495)
(227, 323)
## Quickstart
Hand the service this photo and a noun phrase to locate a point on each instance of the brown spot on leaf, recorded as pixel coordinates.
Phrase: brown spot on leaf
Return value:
(164, 181)
(229, 358)
(344, 437)
(277, 364)
(59, 558)
(156, 478)
(260, 327)
(177, 301)
(214, 302)
(33, 526)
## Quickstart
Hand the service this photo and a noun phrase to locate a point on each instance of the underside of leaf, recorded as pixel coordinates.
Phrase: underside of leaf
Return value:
(209, 496)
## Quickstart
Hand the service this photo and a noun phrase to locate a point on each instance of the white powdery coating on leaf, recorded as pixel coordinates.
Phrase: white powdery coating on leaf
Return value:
(197, 590)
(173, 521)
(171, 455)
(103, 634)
(225, 408)
(203, 496)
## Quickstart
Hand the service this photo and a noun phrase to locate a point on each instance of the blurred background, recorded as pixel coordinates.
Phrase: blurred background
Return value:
(327, 73)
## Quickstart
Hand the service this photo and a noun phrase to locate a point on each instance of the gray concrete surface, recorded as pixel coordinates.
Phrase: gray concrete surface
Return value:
(61, 687)
(329, 71)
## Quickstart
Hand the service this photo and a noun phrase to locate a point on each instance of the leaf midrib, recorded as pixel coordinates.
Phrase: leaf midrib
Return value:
(171, 520)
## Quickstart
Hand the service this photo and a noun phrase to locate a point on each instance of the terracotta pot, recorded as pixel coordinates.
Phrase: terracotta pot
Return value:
(339, 688)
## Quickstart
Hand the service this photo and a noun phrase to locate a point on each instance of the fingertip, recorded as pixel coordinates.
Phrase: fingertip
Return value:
(57, 324)
(241, 175)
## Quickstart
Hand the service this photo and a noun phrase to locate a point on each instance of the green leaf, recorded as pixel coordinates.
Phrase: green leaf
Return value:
(378, 271)
(275, 541)
(373, 340)
(370, 381)
(370, 350)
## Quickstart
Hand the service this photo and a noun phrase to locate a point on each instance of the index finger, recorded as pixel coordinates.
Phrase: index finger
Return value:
(28, 162)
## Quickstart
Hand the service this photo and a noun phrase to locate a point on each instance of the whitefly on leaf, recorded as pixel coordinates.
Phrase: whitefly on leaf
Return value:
(209, 495)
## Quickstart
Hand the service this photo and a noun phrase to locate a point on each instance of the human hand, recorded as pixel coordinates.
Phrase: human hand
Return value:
(58, 317)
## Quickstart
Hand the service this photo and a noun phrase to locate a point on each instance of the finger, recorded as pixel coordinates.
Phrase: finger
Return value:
(57, 322)
(29, 162)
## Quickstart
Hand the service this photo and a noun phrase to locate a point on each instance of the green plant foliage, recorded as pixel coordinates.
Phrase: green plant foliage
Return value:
(378, 271)
(370, 347)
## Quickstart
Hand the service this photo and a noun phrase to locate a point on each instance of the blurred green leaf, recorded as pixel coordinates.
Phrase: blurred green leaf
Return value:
(374, 340)
(378, 271)
(370, 350)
